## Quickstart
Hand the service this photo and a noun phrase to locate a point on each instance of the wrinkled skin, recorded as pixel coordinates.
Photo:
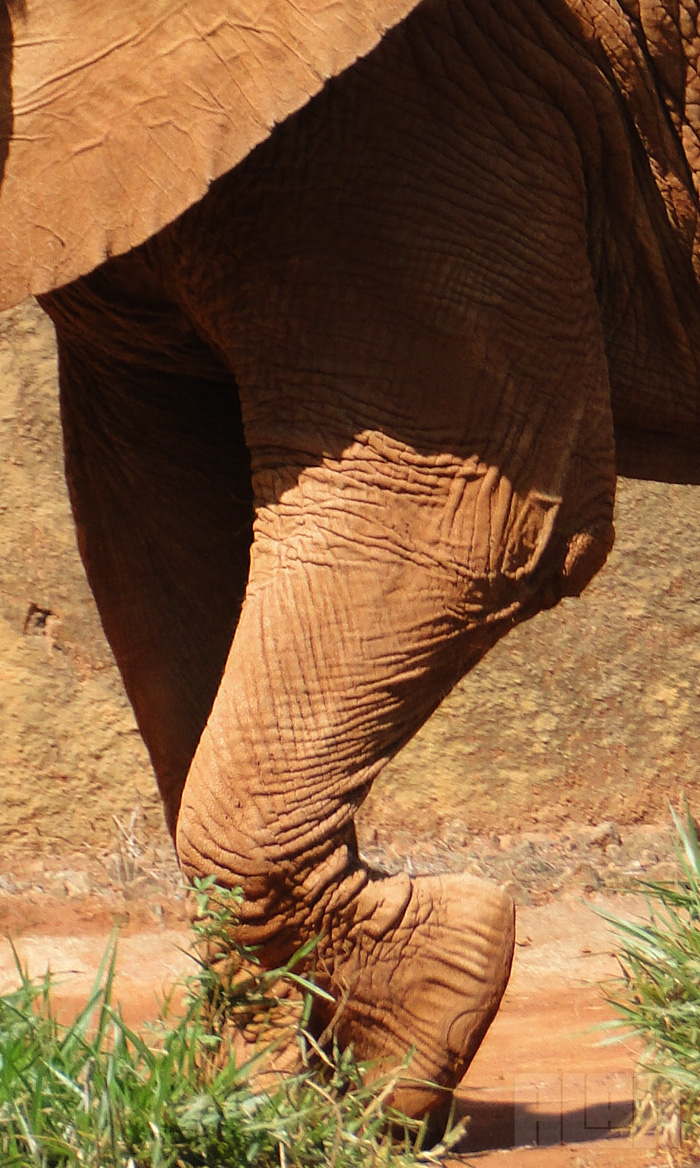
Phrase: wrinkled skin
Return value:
(353, 415)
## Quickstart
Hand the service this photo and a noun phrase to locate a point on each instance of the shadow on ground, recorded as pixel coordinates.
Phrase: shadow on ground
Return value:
(502, 1125)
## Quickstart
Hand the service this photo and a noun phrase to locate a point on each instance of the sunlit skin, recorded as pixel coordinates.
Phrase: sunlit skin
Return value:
(354, 414)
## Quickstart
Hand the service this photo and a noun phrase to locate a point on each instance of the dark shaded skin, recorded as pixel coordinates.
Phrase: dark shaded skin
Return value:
(432, 295)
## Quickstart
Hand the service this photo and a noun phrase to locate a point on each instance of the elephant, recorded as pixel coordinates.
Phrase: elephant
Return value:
(360, 309)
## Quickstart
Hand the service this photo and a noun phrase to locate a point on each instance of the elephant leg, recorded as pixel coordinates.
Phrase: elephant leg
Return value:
(350, 634)
(336, 658)
(159, 480)
(425, 397)
(380, 573)
(160, 484)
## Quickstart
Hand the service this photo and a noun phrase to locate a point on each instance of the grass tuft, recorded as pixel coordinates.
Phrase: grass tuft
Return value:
(658, 998)
(96, 1094)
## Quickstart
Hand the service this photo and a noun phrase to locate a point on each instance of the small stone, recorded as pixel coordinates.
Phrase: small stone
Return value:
(604, 834)
(77, 884)
(584, 876)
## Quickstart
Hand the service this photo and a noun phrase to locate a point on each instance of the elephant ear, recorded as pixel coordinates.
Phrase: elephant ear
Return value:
(116, 115)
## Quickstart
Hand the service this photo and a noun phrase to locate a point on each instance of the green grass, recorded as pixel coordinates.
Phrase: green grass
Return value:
(658, 997)
(96, 1094)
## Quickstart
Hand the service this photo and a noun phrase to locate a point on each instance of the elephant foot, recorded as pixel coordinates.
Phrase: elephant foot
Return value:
(417, 968)
(423, 967)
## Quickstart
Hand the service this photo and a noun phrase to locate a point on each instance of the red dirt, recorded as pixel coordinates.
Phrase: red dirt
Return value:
(541, 1077)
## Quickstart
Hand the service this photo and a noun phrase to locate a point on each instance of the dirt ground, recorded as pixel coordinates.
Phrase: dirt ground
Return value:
(550, 768)
(543, 1091)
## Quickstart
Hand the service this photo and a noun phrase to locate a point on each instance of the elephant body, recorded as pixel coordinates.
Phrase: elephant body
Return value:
(354, 413)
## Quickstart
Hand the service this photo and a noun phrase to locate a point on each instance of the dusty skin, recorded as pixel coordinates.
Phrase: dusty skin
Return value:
(582, 726)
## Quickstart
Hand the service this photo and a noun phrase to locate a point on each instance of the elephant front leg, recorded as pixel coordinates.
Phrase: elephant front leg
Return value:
(354, 627)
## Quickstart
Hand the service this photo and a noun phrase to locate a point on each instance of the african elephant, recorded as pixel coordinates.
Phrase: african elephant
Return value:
(358, 307)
